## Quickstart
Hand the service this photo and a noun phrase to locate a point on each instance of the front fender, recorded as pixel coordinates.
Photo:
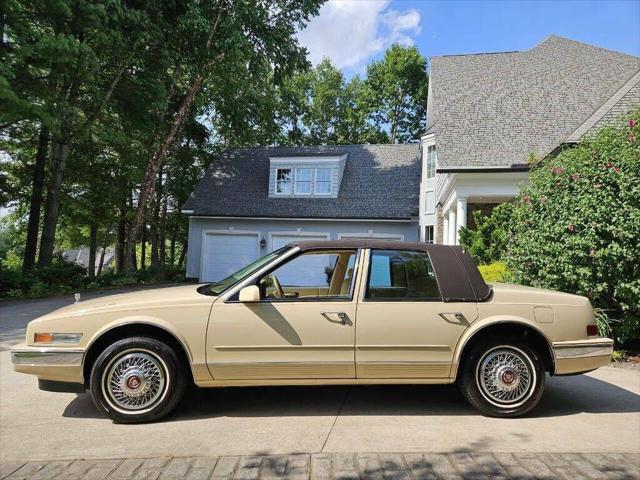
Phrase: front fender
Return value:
(142, 320)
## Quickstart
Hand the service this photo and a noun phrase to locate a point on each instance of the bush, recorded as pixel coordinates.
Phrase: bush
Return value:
(60, 276)
(66, 277)
(494, 272)
(488, 242)
(576, 227)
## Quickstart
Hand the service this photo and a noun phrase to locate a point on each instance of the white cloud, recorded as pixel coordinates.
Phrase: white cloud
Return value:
(351, 31)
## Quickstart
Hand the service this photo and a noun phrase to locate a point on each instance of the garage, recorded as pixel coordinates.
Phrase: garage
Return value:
(226, 252)
(372, 235)
(289, 276)
(280, 239)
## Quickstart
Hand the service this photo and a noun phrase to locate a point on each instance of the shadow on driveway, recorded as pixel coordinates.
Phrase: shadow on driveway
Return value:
(563, 396)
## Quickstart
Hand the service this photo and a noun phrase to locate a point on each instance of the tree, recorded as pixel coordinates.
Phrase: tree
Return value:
(396, 91)
(355, 124)
(211, 41)
(576, 227)
(62, 62)
(323, 115)
(319, 107)
(487, 243)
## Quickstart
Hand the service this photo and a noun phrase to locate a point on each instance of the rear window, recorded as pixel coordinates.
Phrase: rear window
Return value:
(401, 275)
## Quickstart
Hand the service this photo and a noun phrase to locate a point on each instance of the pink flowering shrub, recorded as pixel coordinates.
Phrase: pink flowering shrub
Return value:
(576, 227)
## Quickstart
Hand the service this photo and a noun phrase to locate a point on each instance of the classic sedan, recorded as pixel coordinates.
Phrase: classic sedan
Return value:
(319, 312)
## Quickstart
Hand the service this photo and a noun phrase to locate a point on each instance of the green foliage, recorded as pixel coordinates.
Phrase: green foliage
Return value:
(494, 272)
(102, 83)
(576, 227)
(64, 277)
(488, 242)
(396, 91)
(59, 277)
(603, 322)
(319, 107)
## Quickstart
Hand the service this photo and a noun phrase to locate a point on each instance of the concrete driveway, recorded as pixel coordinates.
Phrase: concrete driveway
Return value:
(594, 413)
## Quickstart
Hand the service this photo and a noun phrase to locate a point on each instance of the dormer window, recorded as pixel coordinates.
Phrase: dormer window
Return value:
(304, 181)
(284, 181)
(306, 176)
(323, 181)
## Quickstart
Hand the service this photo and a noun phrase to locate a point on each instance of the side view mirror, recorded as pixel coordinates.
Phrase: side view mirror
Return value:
(250, 294)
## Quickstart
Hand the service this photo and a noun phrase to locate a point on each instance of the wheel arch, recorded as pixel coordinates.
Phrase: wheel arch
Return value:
(513, 326)
(129, 328)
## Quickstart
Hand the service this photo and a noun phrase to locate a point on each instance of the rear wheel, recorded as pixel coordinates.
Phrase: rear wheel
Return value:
(502, 378)
(137, 380)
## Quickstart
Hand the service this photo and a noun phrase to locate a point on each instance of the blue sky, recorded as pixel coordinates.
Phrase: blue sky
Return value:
(353, 32)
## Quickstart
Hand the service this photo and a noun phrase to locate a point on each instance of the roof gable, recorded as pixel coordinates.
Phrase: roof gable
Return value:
(496, 109)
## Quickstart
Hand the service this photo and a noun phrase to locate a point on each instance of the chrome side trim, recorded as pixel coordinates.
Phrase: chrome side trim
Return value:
(282, 347)
(304, 362)
(48, 357)
(402, 362)
(404, 347)
(588, 348)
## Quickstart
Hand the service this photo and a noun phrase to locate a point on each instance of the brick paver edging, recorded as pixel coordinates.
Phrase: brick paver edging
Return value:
(329, 466)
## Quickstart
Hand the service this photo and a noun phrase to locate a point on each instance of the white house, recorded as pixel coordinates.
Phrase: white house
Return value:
(487, 114)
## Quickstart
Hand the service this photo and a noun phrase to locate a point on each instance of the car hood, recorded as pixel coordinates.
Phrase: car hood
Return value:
(509, 293)
(153, 297)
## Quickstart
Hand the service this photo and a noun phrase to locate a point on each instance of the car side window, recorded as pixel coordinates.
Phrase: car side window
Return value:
(313, 275)
(401, 275)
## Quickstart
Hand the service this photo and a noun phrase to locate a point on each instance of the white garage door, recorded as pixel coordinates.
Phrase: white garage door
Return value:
(226, 253)
(304, 273)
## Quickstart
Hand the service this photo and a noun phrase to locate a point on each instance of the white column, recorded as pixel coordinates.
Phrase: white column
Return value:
(445, 229)
(461, 207)
(452, 227)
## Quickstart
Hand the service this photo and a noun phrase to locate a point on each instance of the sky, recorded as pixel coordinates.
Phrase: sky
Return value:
(354, 32)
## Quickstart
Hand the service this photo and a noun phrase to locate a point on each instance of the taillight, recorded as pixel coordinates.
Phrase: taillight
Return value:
(592, 330)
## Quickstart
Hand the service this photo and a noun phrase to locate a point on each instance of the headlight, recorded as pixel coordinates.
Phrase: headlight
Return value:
(57, 337)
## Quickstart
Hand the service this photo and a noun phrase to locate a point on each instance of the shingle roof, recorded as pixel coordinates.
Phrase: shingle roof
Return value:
(495, 109)
(379, 181)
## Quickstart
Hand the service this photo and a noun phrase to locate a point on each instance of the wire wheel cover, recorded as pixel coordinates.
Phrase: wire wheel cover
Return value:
(505, 376)
(135, 380)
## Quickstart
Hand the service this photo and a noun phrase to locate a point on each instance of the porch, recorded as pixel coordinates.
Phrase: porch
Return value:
(460, 194)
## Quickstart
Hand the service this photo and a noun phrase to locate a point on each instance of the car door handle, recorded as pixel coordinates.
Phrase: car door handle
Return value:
(342, 318)
(459, 317)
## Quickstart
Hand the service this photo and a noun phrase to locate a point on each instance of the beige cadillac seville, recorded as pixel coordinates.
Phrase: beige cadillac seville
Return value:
(330, 312)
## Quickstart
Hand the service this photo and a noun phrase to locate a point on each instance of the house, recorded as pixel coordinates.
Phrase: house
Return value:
(80, 256)
(487, 116)
(255, 200)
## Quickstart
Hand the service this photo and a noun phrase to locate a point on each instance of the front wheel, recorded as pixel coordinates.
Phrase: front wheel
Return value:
(503, 378)
(137, 380)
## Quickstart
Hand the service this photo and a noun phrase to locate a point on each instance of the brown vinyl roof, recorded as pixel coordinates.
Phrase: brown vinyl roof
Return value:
(457, 275)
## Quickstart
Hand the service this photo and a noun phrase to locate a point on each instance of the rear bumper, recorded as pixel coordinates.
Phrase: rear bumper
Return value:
(49, 363)
(582, 356)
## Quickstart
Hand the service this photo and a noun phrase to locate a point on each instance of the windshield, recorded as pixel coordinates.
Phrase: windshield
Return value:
(222, 285)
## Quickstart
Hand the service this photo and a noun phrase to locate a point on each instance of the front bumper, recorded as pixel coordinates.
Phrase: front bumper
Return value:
(582, 356)
(49, 363)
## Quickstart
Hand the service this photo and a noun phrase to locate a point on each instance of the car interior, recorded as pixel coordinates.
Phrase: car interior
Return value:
(314, 274)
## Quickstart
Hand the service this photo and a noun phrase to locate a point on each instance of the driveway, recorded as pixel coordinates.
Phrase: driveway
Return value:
(589, 414)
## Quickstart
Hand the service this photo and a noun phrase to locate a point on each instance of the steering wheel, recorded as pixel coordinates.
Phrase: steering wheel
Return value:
(278, 288)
